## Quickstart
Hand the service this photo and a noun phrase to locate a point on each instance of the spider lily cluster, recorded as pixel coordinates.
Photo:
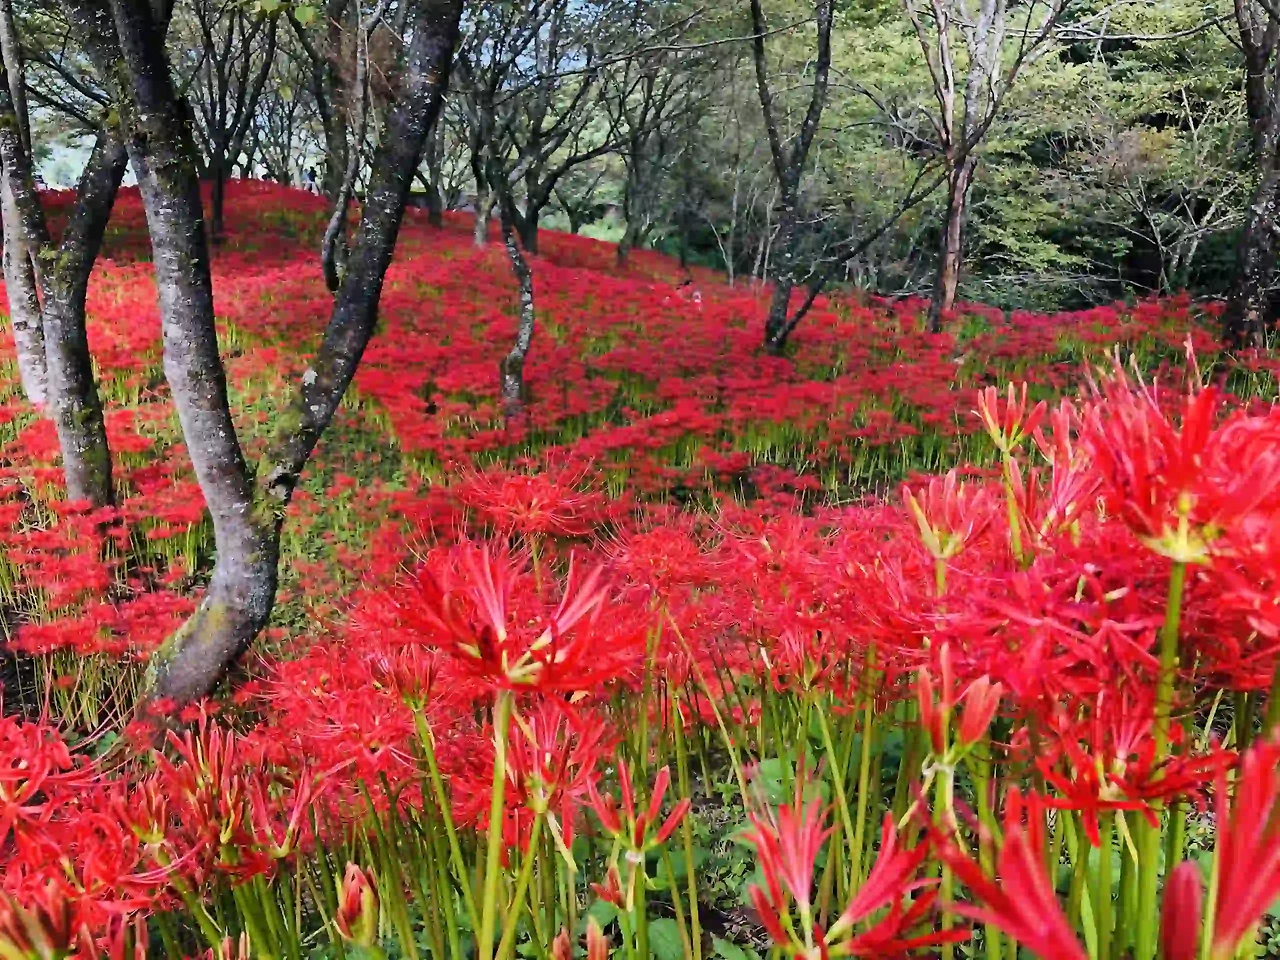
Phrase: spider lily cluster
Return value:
(1029, 704)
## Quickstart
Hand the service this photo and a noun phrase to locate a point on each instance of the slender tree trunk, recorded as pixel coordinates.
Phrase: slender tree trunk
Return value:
(242, 587)
(431, 182)
(630, 202)
(527, 228)
(20, 284)
(218, 195)
(48, 308)
(775, 324)
(951, 250)
(627, 243)
(484, 210)
(75, 402)
(12, 53)
(776, 332)
(435, 206)
(1246, 318)
(511, 369)
(248, 508)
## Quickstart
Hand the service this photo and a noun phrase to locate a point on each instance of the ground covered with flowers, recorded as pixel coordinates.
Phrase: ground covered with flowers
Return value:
(899, 644)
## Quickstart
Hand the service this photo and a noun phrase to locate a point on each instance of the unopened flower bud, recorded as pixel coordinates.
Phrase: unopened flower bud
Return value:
(357, 917)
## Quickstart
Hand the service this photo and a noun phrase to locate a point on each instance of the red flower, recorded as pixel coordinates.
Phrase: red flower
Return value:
(1248, 847)
(357, 914)
(1181, 912)
(1179, 485)
(948, 515)
(787, 846)
(484, 609)
(1019, 897)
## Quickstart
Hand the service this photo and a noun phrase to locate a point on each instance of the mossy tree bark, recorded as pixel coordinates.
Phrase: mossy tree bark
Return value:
(47, 285)
(248, 506)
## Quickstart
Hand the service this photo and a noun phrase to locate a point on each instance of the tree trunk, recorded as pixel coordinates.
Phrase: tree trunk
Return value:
(776, 327)
(248, 513)
(75, 403)
(1245, 320)
(951, 251)
(775, 324)
(511, 370)
(12, 54)
(242, 588)
(627, 243)
(435, 206)
(217, 195)
(431, 182)
(527, 227)
(53, 347)
(20, 284)
(484, 210)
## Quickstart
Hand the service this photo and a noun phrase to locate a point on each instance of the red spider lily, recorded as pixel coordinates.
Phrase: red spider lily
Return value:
(1019, 898)
(1181, 912)
(41, 931)
(35, 762)
(1010, 423)
(546, 503)
(1248, 846)
(787, 846)
(611, 890)
(1073, 483)
(357, 914)
(1179, 486)
(1107, 761)
(552, 755)
(562, 945)
(632, 827)
(481, 607)
(948, 515)
(597, 942)
(893, 876)
(981, 700)
(126, 938)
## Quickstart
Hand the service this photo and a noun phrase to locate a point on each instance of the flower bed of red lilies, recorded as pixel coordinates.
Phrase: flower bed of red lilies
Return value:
(902, 644)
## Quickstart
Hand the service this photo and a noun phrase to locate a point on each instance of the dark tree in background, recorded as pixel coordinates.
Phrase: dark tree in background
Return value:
(1246, 318)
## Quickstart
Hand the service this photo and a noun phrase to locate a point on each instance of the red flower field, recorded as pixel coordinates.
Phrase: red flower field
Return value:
(897, 644)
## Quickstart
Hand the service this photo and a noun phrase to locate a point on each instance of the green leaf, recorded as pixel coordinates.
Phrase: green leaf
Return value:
(305, 14)
(603, 912)
(664, 940)
(731, 951)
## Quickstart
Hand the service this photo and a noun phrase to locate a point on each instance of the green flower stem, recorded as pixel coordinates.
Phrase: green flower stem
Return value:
(493, 845)
(512, 922)
(944, 786)
(677, 905)
(1015, 529)
(1101, 899)
(641, 905)
(442, 804)
(837, 781)
(686, 830)
(978, 761)
(1149, 836)
(864, 778)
